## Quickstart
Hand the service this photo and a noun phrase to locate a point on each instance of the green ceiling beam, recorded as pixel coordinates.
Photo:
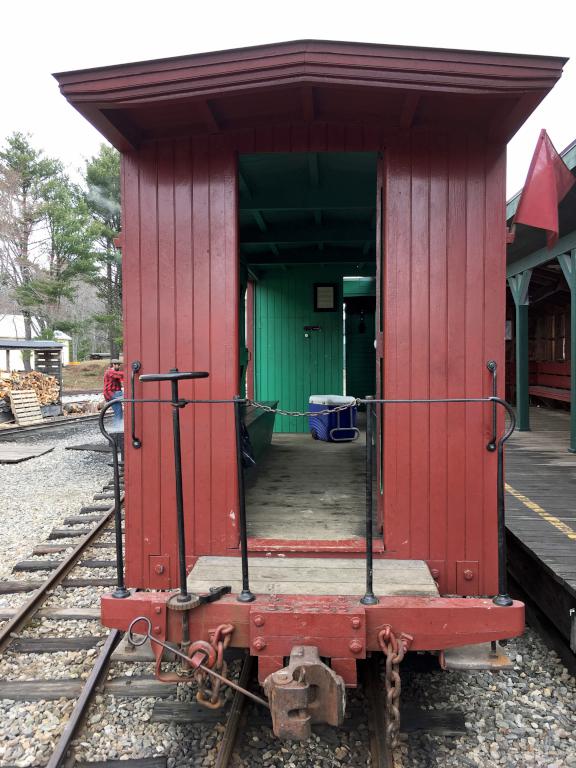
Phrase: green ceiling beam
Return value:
(297, 234)
(307, 256)
(279, 199)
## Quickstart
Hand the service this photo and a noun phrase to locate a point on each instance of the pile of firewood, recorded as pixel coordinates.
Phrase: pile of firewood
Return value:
(46, 387)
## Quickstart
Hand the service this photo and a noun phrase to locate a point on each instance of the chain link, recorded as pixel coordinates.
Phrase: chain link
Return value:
(394, 650)
(209, 687)
(282, 412)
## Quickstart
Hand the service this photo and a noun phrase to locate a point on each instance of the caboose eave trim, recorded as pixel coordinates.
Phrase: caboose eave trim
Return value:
(311, 81)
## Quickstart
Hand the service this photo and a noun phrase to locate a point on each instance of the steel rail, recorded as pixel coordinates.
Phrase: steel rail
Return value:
(63, 422)
(30, 607)
(83, 702)
(380, 749)
(230, 736)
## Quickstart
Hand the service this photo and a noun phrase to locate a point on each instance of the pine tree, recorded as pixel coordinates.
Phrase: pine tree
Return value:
(103, 200)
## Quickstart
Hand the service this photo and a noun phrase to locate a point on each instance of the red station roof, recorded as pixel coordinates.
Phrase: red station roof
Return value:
(310, 81)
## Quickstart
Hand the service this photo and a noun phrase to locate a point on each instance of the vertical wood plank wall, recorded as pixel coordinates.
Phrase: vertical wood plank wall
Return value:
(290, 367)
(444, 318)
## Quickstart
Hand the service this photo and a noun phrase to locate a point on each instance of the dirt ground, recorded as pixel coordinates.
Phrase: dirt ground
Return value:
(88, 375)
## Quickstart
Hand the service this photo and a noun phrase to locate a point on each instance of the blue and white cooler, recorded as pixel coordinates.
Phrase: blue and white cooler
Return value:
(336, 426)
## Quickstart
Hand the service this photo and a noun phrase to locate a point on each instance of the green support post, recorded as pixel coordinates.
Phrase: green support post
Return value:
(568, 264)
(519, 288)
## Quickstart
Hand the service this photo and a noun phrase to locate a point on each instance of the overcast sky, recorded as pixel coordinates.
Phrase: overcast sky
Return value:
(40, 37)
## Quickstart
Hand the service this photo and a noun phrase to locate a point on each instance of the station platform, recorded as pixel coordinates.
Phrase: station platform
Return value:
(541, 514)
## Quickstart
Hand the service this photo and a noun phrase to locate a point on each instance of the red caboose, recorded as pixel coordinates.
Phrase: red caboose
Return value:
(302, 219)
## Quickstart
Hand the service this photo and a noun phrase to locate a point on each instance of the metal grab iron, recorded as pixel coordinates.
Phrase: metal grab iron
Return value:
(306, 691)
(134, 368)
(174, 376)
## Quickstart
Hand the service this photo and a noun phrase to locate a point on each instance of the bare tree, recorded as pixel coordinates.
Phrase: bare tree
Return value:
(46, 234)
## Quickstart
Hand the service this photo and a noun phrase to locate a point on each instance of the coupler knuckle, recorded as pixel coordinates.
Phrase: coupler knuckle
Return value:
(305, 692)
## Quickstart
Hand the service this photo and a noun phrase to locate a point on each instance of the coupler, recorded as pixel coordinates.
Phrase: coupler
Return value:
(305, 692)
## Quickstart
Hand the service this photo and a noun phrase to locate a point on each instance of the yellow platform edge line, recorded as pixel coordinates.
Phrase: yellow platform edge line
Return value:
(561, 526)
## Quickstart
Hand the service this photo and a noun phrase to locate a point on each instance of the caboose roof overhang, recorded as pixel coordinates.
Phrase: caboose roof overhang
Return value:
(312, 81)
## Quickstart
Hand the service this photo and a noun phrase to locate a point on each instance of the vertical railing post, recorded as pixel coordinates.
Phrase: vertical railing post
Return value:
(245, 595)
(120, 590)
(176, 405)
(174, 376)
(502, 599)
(369, 596)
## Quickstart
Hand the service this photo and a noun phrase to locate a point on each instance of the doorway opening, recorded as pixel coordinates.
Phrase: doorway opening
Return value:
(307, 235)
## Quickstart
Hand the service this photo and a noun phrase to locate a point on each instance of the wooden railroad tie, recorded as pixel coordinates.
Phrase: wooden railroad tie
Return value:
(54, 644)
(25, 407)
(12, 587)
(51, 565)
(37, 690)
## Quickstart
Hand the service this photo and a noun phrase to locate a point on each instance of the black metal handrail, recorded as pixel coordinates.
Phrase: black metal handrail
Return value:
(177, 403)
(120, 590)
(502, 599)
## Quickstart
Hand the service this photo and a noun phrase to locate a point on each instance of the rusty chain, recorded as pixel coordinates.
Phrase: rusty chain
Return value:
(209, 687)
(326, 412)
(394, 650)
(201, 655)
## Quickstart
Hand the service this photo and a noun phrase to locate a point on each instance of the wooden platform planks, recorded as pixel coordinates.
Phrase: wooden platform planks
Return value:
(25, 407)
(314, 576)
(307, 489)
(541, 498)
(14, 453)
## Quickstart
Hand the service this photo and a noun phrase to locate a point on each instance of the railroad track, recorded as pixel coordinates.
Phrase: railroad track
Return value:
(231, 730)
(236, 732)
(13, 432)
(84, 546)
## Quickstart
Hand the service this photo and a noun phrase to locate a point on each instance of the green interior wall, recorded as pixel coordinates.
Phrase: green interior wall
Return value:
(360, 354)
(289, 366)
(360, 300)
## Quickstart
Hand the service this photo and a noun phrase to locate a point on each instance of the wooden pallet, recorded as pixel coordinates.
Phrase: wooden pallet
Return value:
(25, 407)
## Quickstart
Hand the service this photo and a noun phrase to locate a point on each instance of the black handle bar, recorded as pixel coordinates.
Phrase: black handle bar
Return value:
(174, 376)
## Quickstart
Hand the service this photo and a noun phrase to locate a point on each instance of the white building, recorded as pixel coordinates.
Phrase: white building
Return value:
(12, 327)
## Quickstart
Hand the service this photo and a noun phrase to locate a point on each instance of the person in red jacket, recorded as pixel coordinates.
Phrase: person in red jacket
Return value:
(113, 383)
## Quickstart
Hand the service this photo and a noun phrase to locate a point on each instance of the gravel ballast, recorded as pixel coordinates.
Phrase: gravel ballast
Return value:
(521, 717)
(36, 495)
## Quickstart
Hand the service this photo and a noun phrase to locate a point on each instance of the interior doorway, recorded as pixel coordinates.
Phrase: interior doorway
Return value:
(307, 242)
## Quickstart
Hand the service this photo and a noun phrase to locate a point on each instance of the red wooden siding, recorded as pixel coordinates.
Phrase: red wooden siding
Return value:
(180, 271)
(443, 319)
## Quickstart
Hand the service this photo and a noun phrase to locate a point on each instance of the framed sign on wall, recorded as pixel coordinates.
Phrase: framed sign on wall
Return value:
(325, 297)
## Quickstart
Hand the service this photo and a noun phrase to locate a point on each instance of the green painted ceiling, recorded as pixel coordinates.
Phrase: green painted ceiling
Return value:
(298, 208)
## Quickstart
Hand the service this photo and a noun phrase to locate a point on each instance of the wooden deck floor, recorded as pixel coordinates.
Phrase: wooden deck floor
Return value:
(541, 492)
(314, 576)
(307, 489)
